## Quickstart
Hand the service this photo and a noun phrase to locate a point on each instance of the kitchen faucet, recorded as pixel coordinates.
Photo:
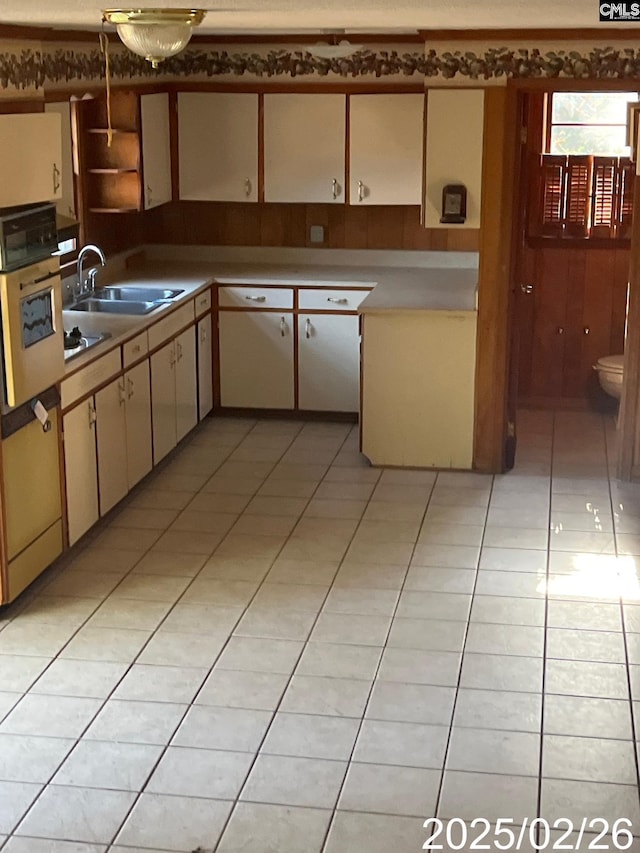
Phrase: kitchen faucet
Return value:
(88, 285)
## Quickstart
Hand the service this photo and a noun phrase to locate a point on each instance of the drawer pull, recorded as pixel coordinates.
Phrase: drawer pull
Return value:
(136, 349)
(342, 300)
(256, 298)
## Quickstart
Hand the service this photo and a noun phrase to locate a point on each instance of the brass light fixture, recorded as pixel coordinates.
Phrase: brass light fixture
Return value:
(154, 33)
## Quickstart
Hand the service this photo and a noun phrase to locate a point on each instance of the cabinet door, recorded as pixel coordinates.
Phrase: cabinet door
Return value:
(156, 149)
(138, 423)
(386, 148)
(453, 153)
(112, 445)
(304, 148)
(218, 146)
(256, 359)
(186, 383)
(81, 469)
(30, 158)
(163, 401)
(66, 205)
(328, 362)
(205, 367)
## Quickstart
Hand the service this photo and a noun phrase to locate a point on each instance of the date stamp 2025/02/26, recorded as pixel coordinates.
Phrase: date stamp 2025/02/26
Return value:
(480, 834)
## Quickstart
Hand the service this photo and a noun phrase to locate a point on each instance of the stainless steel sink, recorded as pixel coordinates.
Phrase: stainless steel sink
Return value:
(126, 293)
(108, 306)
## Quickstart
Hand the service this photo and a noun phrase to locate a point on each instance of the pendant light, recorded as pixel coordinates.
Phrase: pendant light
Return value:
(154, 34)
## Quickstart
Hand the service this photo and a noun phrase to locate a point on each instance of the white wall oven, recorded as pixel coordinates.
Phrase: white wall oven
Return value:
(32, 331)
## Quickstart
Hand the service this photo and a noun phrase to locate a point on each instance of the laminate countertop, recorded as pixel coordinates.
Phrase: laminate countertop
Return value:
(393, 289)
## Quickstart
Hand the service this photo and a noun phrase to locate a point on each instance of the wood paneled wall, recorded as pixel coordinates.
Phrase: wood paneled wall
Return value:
(345, 227)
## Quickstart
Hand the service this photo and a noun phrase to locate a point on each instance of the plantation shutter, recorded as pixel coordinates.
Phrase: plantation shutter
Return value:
(604, 196)
(625, 198)
(581, 196)
(578, 196)
(553, 173)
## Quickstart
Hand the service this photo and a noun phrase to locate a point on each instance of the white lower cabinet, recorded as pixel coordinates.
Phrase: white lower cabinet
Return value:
(256, 359)
(186, 383)
(81, 469)
(174, 392)
(111, 441)
(329, 362)
(138, 423)
(205, 367)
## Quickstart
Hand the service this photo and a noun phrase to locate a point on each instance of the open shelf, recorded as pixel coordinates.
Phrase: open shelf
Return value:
(112, 172)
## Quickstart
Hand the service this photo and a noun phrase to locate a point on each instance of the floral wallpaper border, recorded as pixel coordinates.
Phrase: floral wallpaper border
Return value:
(30, 68)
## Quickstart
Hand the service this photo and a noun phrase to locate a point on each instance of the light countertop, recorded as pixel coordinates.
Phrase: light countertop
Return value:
(394, 287)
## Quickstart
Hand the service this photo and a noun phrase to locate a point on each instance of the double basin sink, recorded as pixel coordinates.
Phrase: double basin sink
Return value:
(125, 300)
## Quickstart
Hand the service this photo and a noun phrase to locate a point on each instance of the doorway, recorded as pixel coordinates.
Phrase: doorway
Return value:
(572, 246)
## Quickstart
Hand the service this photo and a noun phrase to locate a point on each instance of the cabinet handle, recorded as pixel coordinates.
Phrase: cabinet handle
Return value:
(247, 187)
(203, 335)
(342, 300)
(335, 190)
(56, 178)
(148, 195)
(256, 298)
(179, 346)
(560, 330)
(92, 415)
(360, 191)
(172, 357)
(526, 288)
(283, 327)
(121, 393)
(586, 330)
(307, 328)
(129, 388)
(136, 349)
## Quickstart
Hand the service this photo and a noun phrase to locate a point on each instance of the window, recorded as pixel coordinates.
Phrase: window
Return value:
(589, 123)
(585, 181)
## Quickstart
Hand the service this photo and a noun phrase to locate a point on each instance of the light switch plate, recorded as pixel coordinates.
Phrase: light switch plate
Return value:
(316, 234)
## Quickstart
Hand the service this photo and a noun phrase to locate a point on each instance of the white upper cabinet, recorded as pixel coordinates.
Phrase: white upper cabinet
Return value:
(455, 126)
(218, 146)
(304, 148)
(30, 158)
(66, 204)
(156, 149)
(386, 143)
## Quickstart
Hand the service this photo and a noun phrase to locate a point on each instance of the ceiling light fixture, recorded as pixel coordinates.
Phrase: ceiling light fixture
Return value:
(332, 50)
(155, 34)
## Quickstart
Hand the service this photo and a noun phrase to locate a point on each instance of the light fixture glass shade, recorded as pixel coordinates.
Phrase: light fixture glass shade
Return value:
(324, 50)
(154, 33)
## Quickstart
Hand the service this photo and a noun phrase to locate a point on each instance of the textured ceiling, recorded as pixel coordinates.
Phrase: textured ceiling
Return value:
(237, 16)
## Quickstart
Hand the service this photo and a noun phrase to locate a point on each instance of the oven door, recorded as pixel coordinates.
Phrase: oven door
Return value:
(32, 331)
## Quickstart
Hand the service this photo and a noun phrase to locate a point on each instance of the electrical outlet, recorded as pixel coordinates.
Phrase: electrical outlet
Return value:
(316, 234)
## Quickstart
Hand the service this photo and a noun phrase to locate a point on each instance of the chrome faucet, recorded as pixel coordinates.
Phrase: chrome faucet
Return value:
(88, 285)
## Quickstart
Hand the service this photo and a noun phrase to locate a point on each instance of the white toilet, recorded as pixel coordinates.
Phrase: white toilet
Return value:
(610, 370)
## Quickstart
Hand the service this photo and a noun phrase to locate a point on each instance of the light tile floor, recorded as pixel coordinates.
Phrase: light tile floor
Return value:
(271, 646)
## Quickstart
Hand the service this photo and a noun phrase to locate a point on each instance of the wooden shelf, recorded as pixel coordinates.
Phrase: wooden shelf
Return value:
(114, 210)
(111, 171)
(114, 130)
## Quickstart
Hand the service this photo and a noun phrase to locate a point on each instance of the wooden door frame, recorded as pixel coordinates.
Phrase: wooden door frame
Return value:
(498, 248)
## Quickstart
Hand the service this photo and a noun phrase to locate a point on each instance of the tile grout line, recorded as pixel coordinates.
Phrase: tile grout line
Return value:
(438, 802)
(349, 760)
(237, 799)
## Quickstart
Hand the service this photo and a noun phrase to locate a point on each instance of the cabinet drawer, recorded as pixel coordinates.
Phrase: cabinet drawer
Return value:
(85, 381)
(135, 349)
(203, 303)
(311, 299)
(171, 325)
(242, 296)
